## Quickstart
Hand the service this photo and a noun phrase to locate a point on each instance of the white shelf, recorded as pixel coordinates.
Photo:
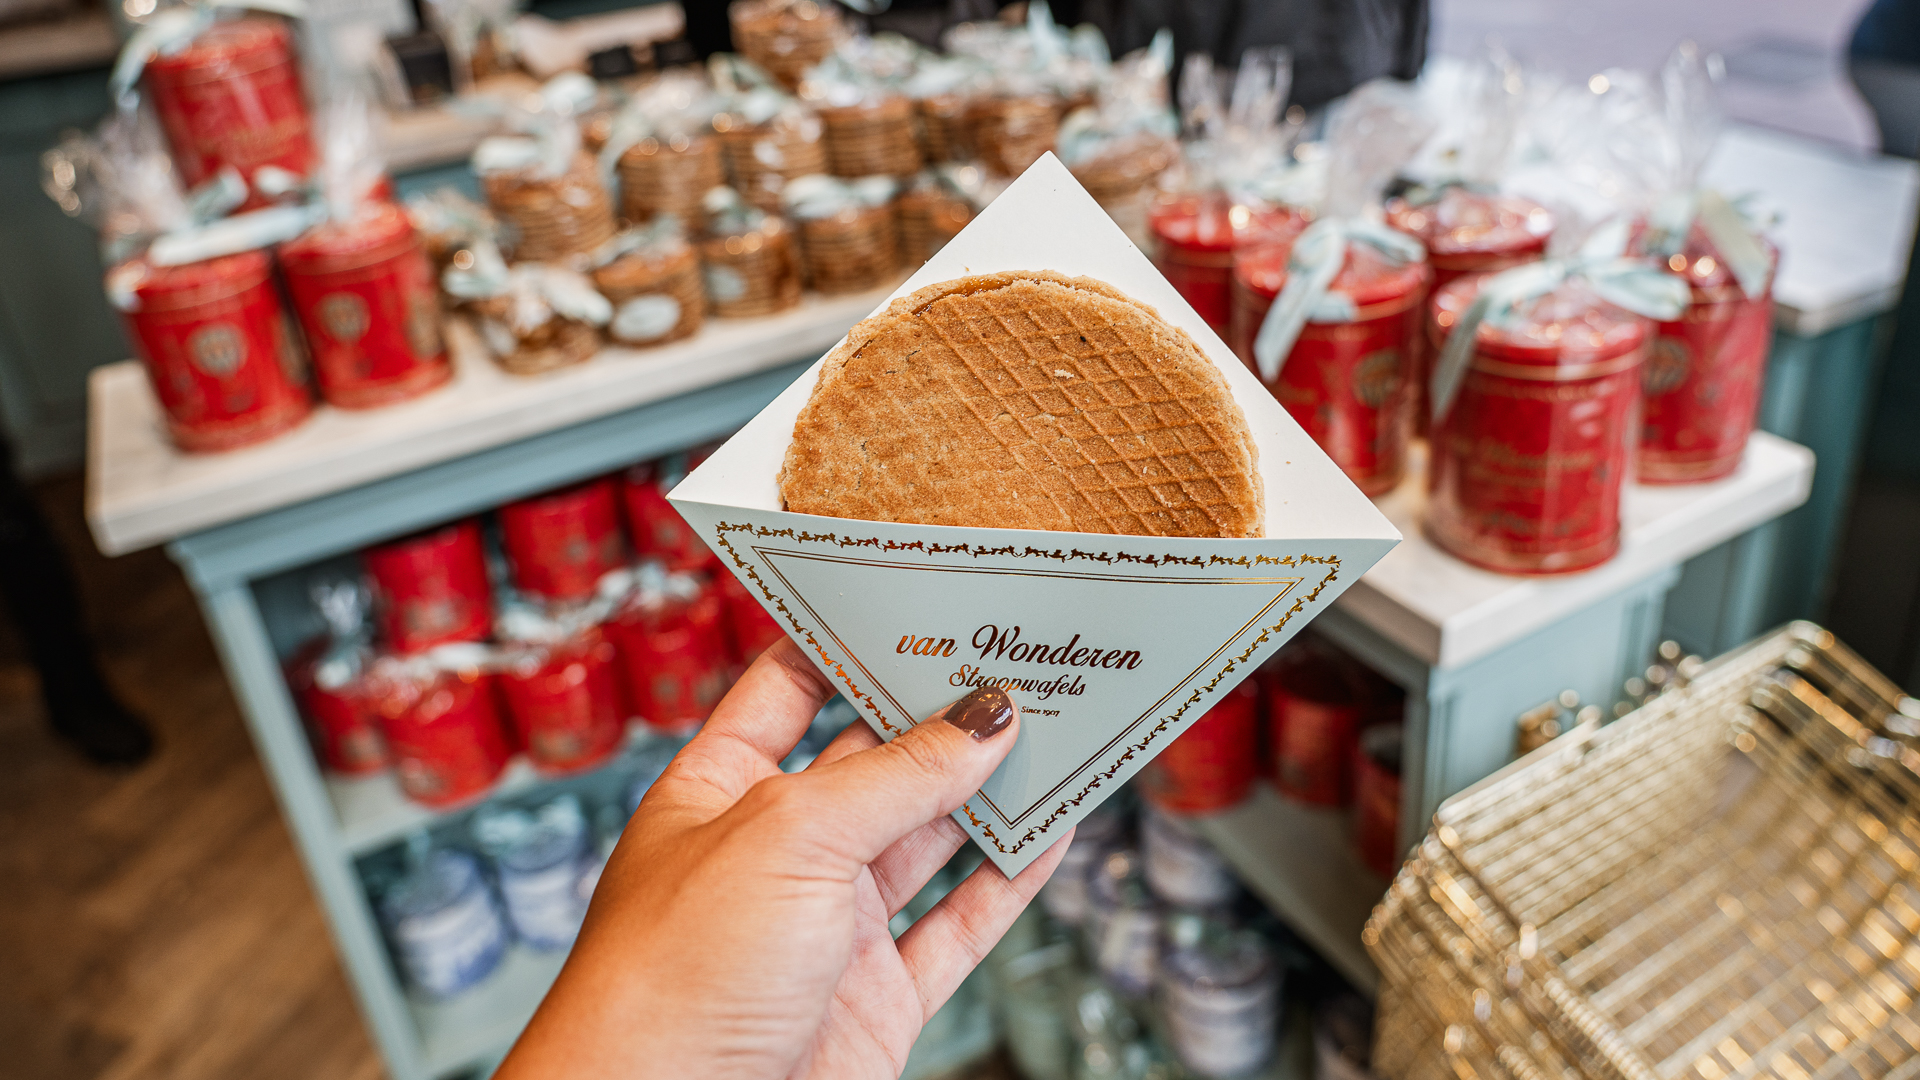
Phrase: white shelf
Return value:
(1446, 613)
(1301, 861)
(142, 491)
(1846, 222)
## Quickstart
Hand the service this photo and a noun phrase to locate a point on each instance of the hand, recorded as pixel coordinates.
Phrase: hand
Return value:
(740, 928)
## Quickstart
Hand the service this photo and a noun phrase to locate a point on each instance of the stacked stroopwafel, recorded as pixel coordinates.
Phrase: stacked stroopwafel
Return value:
(556, 343)
(944, 135)
(786, 37)
(1010, 133)
(851, 250)
(552, 218)
(668, 284)
(763, 157)
(1025, 400)
(872, 138)
(669, 176)
(929, 217)
(1121, 180)
(752, 272)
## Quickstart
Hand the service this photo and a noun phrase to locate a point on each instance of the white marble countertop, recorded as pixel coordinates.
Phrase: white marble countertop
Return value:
(1846, 228)
(1447, 613)
(142, 491)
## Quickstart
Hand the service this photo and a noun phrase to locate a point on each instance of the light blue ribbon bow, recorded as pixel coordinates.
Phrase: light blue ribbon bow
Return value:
(1315, 261)
(1728, 226)
(1638, 285)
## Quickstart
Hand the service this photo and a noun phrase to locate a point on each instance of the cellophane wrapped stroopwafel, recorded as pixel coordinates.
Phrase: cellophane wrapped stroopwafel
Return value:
(761, 158)
(786, 37)
(669, 176)
(871, 138)
(751, 263)
(852, 250)
(929, 216)
(1010, 132)
(551, 218)
(944, 131)
(667, 279)
(1725, 883)
(559, 342)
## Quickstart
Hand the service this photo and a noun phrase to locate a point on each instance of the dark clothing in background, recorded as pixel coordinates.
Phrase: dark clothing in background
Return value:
(1337, 44)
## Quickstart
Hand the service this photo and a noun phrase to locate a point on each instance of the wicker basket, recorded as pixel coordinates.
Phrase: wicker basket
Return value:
(752, 273)
(669, 177)
(1725, 883)
(873, 138)
(672, 275)
(762, 158)
(551, 218)
(786, 37)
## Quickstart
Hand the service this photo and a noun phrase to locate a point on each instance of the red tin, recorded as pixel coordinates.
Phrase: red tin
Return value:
(445, 734)
(431, 588)
(563, 542)
(659, 532)
(1467, 232)
(1211, 765)
(750, 628)
(1348, 385)
(565, 703)
(233, 98)
(1194, 239)
(1528, 464)
(1376, 797)
(216, 347)
(341, 721)
(1316, 703)
(364, 294)
(1704, 376)
(676, 659)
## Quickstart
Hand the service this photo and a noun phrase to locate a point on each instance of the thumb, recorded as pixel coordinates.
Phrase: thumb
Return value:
(865, 801)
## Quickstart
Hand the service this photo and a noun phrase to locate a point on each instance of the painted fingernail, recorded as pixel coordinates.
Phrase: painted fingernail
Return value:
(982, 714)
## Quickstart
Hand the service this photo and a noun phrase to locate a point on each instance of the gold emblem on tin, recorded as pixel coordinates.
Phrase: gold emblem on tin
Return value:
(1667, 366)
(344, 316)
(1376, 377)
(217, 349)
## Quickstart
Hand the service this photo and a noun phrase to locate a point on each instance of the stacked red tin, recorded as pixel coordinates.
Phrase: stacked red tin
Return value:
(1528, 462)
(1350, 384)
(1195, 235)
(232, 98)
(1467, 232)
(365, 296)
(216, 347)
(1212, 765)
(1706, 370)
(582, 642)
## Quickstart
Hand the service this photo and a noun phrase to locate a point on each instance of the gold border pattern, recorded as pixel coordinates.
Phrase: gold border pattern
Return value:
(1068, 555)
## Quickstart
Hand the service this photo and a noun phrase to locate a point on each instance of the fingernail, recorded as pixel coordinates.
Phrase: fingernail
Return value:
(982, 714)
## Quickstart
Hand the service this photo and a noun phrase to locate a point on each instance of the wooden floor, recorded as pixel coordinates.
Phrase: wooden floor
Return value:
(155, 923)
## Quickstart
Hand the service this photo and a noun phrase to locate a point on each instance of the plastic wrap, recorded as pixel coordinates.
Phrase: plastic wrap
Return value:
(328, 682)
(360, 282)
(652, 277)
(1126, 139)
(849, 240)
(442, 723)
(447, 222)
(662, 147)
(766, 136)
(786, 37)
(860, 96)
(749, 258)
(546, 190)
(559, 680)
(940, 203)
(532, 317)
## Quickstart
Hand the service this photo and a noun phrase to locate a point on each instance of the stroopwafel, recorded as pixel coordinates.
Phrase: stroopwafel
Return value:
(1025, 400)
